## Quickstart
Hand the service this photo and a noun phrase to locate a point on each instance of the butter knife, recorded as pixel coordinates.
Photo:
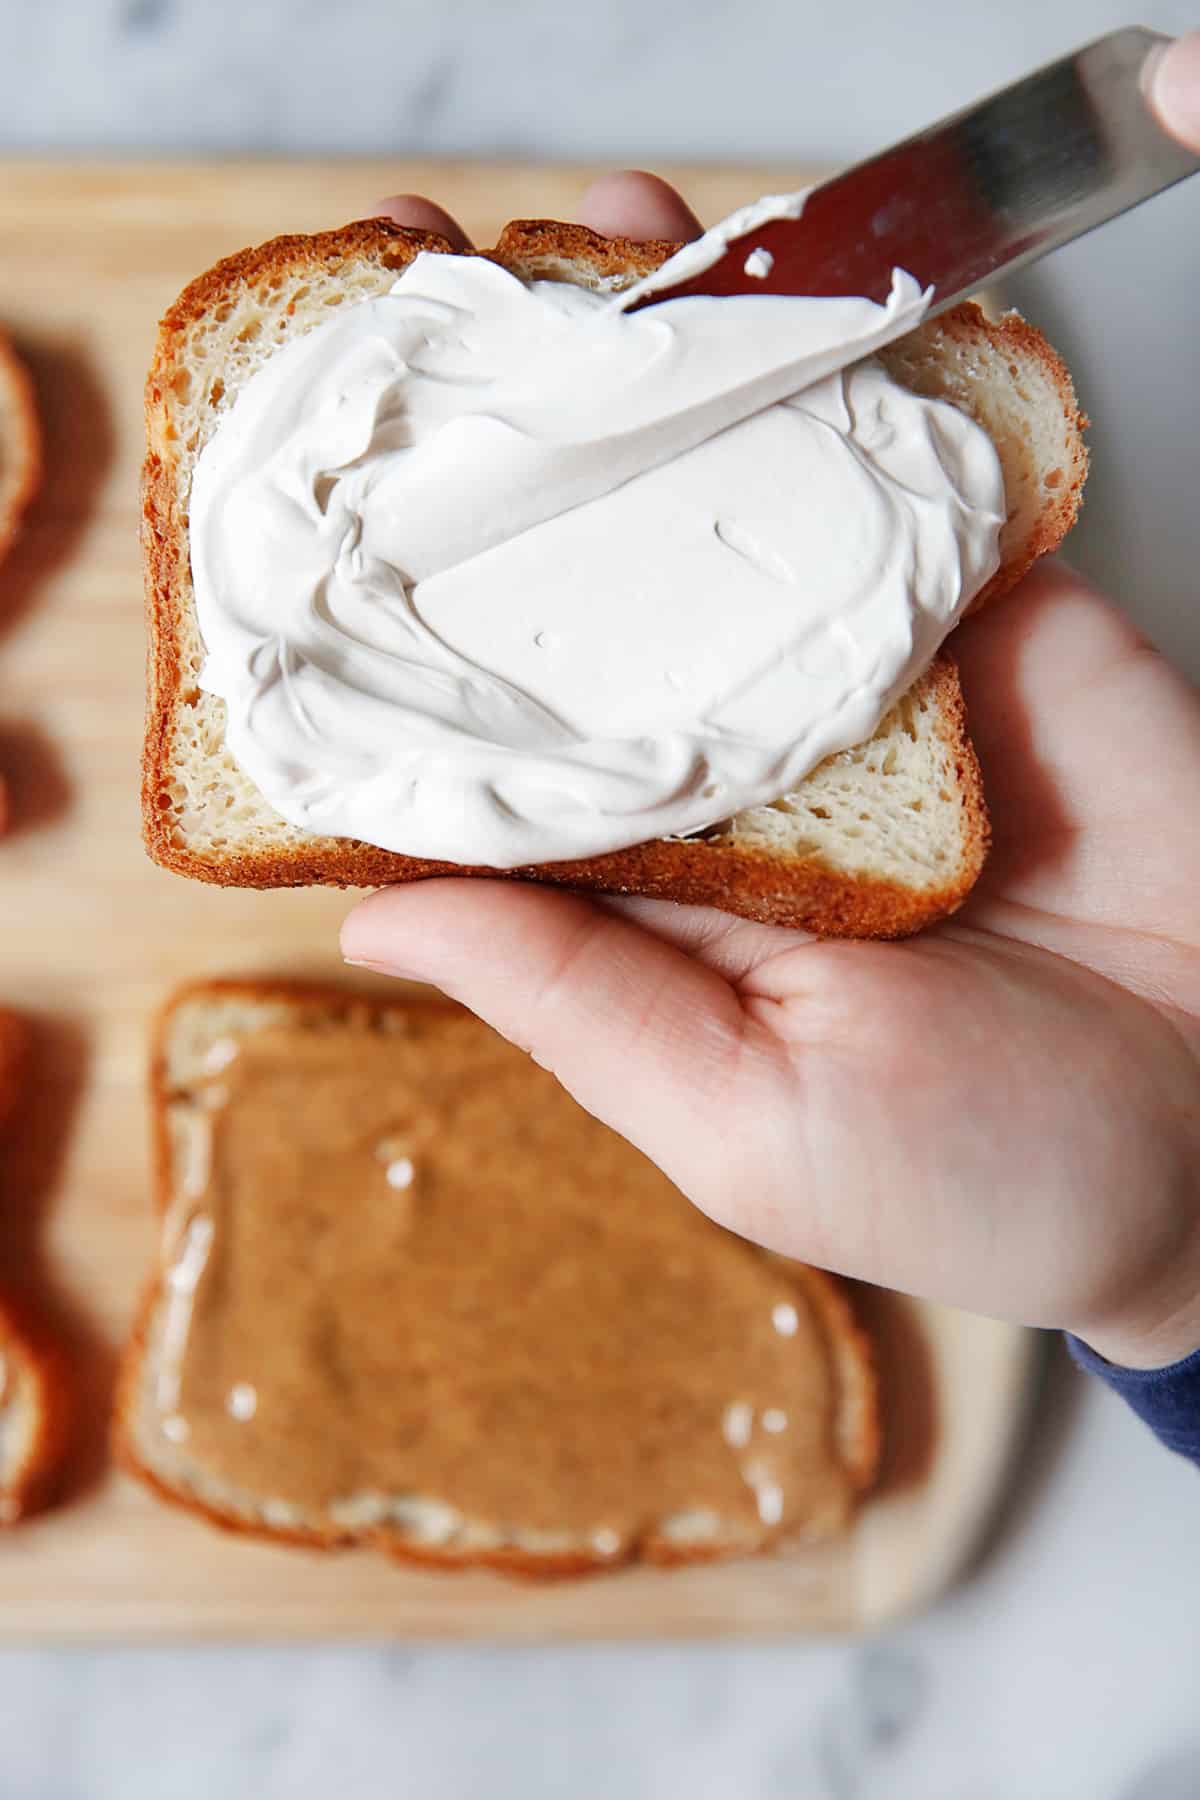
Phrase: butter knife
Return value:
(975, 197)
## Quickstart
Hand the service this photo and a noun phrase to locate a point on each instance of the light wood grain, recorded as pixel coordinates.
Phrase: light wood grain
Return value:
(92, 938)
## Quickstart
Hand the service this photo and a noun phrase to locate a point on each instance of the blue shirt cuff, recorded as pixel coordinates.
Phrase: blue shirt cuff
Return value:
(1167, 1400)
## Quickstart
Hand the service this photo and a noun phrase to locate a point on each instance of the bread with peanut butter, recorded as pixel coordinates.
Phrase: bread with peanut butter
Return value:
(34, 1393)
(20, 442)
(878, 841)
(410, 1295)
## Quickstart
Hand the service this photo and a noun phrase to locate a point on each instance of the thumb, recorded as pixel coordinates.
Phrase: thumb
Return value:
(639, 1033)
(1174, 89)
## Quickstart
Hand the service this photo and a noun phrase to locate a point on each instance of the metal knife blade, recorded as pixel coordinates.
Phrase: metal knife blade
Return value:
(984, 192)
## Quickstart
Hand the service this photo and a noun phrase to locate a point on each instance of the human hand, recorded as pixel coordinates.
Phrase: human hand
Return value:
(1003, 1113)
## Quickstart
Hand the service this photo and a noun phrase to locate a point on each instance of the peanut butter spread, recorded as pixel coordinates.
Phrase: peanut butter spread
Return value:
(411, 1280)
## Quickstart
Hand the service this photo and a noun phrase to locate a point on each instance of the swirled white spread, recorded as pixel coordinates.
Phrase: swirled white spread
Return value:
(494, 573)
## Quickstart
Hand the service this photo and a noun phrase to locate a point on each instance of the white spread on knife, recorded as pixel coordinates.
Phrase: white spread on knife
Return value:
(491, 573)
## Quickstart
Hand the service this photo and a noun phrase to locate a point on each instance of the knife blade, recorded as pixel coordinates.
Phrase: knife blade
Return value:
(984, 192)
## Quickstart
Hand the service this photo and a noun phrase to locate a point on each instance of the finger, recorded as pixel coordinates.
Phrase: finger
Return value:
(420, 214)
(1025, 657)
(1082, 729)
(1174, 89)
(642, 1035)
(631, 203)
(737, 949)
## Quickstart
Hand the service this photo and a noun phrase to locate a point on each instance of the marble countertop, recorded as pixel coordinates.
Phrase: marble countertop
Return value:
(1068, 1665)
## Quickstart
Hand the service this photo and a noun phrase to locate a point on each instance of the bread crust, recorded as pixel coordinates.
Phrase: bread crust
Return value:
(856, 1429)
(968, 324)
(809, 895)
(14, 1051)
(20, 442)
(1015, 333)
(44, 1370)
(26, 1342)
(739, 879)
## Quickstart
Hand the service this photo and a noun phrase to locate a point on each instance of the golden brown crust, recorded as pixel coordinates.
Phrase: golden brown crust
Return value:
(14, 1048)
(394, 246)
(807, 896)
(736, 878)
(44, 1370)
(531, 247)
(20, 442)
(1010, 332)
(25, 1341)
(856, 1428)
(858, 1431)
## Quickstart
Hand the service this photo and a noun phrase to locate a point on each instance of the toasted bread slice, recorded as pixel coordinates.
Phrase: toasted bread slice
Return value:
(877, 842)
(410, 1295)
(34, 1390)
(14, 1050)
(20, 442)
(33, 1412)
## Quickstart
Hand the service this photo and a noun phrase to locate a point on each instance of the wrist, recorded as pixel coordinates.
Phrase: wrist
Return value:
(1146, 1342)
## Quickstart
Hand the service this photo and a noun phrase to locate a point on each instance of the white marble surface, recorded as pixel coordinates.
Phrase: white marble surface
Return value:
(1069, 1666)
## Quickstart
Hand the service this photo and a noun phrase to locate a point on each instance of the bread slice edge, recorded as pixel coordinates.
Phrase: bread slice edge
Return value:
(20, 442)
(37, 1376)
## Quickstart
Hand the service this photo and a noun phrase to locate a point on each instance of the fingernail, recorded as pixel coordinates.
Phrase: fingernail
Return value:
(365, 943)
(1173, 87)
(375, 965)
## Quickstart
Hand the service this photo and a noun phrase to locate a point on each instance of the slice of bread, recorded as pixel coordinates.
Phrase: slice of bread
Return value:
(34, 1391)
(20, 442)
(877, 842)
(392, 1245)
(14, 1051)
(33, 1413)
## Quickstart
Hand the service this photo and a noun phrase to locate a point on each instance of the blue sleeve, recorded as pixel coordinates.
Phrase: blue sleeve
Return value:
(1167, 1400)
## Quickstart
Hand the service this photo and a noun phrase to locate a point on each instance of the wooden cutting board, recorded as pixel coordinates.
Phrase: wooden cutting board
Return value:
(92, 938)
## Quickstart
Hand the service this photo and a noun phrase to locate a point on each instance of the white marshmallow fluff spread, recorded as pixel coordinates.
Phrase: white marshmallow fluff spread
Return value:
(495, 572)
